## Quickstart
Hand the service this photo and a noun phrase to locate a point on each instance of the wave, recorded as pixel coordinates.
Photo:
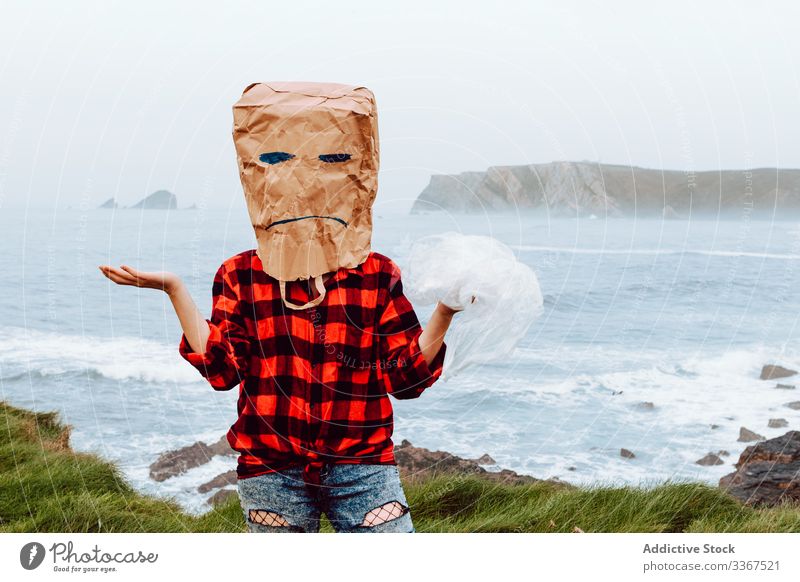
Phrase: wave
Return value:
(41, 354)
(669, 374)
(575, 250)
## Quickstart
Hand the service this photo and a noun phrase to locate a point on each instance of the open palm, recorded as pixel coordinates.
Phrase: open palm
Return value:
(125, 275)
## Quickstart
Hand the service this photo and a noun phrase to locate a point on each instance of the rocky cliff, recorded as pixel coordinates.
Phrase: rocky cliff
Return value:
(768, 472)
(585, 188)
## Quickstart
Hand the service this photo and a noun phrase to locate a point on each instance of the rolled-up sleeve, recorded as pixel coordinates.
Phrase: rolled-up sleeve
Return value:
(406, 372)
(224, 363)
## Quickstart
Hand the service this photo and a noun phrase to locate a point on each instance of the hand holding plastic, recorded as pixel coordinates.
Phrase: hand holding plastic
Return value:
(498, 295)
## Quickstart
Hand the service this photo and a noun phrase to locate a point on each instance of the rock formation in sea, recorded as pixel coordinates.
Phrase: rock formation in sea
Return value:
(586, 188)
(767, 472)
(421, 463)
(110, 203)
(713, 458)
(746, 435)
(159, 200)
(178, 461)
(772, 372)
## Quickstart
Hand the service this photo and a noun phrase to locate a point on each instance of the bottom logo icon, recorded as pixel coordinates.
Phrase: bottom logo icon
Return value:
(31, 555)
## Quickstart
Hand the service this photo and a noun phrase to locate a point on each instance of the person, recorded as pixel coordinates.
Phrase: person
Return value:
(312, 325)
(353, 421)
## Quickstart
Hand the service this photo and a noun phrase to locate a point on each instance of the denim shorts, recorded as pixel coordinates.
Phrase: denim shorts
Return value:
(356, 498)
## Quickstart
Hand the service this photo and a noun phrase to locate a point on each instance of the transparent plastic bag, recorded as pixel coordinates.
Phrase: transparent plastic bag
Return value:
(453, 268)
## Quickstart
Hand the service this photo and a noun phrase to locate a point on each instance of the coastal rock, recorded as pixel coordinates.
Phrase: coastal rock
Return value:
(747, 435)
(419, 463)
(412, 463)
(110, 203)
(221, 447)
(767, 472)
(222, 496)
(221, 480)
(159, 200)
(777, 423)
(784, 386)
(627, 454)
(710, 459)
(795, 405)
(771, 372)
(485, 459)
(570, 189)
(178, 461)
(646, 405)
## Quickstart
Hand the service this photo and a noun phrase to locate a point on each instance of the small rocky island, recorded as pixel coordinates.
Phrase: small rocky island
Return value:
(158, 200)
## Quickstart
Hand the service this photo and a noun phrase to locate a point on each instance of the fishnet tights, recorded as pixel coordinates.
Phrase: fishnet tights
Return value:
(262, 517)
(384, 513)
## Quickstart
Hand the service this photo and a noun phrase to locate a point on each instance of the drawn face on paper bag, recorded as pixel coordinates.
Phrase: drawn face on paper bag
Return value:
(308, 160)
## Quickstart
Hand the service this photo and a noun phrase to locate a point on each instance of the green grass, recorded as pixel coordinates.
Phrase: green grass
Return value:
(47, 487)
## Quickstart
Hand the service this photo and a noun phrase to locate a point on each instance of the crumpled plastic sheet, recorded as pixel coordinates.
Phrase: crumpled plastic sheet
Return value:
(453, 268)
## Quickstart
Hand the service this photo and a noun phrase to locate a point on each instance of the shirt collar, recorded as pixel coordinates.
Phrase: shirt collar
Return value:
(339, 275)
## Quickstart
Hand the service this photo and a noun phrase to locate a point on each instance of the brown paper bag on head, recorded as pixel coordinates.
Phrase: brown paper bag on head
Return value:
(308, 159)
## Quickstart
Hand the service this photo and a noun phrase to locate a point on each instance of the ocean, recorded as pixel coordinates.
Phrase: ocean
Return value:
(680, 314)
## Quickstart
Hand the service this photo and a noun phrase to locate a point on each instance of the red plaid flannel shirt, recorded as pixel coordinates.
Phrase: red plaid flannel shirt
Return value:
(314, 382)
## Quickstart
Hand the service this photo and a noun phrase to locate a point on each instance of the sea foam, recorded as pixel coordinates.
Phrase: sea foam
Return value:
(29, 352)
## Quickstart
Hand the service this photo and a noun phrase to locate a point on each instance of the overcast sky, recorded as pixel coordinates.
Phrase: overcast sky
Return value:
(101, 99)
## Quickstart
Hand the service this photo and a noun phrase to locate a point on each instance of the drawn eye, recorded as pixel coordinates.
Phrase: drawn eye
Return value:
(333, 158)
(275, 157)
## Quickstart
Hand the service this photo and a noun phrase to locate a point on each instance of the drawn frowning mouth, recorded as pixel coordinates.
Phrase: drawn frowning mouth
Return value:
(285, 220)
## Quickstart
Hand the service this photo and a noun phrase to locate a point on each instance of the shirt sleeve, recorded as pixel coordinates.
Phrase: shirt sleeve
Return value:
(225, 361)
(405, 371)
